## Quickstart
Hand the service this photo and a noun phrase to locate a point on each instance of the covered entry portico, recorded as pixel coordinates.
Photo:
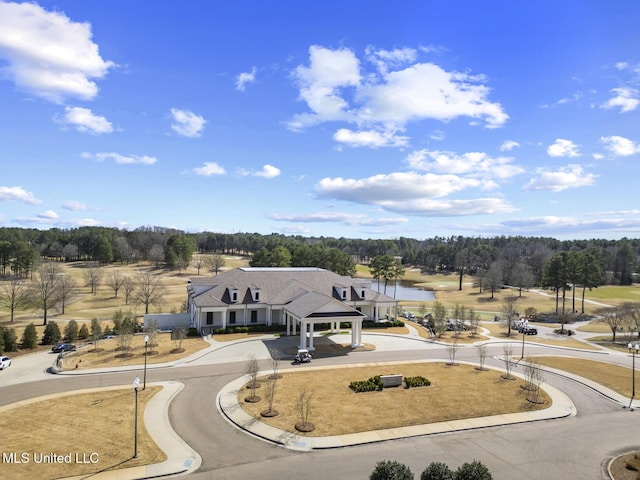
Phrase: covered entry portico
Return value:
(312, 309)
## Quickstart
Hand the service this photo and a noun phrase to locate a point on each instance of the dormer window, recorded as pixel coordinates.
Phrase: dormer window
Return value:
(233, 294)
(341, 291)
(362, 293)
(255, 293)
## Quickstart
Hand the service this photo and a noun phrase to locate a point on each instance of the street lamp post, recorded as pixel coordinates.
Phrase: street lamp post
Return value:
(136, 383)
(144, 381)
(634, 351)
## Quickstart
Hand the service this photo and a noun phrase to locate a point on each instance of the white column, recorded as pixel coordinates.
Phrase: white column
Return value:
(286, 321)
(311, 325)
(303, 335)
(224, 319)
(294, 324)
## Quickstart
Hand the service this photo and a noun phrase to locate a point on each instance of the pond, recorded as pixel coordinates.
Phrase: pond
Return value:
(404, 290)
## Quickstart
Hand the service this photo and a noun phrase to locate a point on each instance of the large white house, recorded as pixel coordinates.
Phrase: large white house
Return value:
(298, 298)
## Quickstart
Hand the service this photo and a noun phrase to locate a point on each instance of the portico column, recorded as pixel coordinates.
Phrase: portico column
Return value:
(286, 321)
(224, 319)
(303, 335)
(311, 325)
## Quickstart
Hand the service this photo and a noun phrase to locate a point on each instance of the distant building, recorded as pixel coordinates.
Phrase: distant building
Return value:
(299, 298)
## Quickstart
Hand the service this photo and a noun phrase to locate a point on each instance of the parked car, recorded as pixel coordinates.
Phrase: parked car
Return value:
(4, 362)
(63, 347)
(528, 330)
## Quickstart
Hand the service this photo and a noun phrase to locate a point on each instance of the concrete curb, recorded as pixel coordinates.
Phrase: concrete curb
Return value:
(228, 406)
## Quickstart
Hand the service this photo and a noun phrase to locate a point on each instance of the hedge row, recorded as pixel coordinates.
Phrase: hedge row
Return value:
(418, 381)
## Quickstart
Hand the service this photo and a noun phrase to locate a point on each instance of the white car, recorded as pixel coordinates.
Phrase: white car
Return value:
(4, 362)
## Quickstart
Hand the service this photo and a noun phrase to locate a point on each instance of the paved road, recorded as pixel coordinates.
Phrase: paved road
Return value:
(574, 447)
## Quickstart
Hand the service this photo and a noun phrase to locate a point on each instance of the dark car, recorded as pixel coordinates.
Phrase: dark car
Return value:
(63, 347)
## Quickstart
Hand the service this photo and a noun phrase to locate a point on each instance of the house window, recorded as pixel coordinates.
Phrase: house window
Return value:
(232, 317)
(254, 316)
(234, 296)
(209, 318)
(344, 294)
(362, 294)
(257, 296)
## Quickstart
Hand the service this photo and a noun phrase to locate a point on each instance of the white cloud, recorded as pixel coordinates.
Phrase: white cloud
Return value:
(389, 59)
(18, 194)
(369, 138)
(208, 169)
(120, 159)
(187, 123)
(268, 171)
(620, 146)
(412, 193)
(74, 205)
(626, 99)
(85, 121)
(473, 164)
(337, 217)
(563, 148)
(335, 87)
(509, 145)
(244, 78)
(49, 55)
(571, 176)
(320, 84)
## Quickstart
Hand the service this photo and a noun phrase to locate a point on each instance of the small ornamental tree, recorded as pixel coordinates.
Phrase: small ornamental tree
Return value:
(96, 332)
(83, 333)
(473, 471)
(251, 369)
(51, 334)
(391, 470)
(437, 471)
(71, 331)
(10, 339)
(482, 356)
(29, 337)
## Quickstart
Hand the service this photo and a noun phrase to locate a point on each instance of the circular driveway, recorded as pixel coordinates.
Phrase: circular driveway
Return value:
(573, 447)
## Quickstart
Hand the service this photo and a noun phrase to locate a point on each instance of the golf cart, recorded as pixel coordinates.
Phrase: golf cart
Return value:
(303, 356)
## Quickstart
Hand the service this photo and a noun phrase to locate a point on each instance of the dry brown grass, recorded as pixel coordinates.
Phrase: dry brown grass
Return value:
(456, 392)
(614, 377)
(498, 331)
(99, 422)
(108, 355)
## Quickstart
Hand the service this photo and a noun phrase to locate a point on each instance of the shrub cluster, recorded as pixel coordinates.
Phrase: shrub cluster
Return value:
(370, 385)
(388, 470)
(250, 328)
(418, 381)
(372, 324)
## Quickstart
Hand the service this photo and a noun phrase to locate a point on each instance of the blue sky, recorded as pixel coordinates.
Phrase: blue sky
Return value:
(368, 119)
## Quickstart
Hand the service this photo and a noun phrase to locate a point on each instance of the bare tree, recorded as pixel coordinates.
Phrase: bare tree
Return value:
(439, 318)
(14, 294)
(151, 329)
(474, 321)
(537, 378)
(270, 393)
(96, 332)
(67, 289)
(251, 369)
(215, 263)
(115, 279)
(199, 262)
(614, 317)
(149, 290)
(303, 405)
(507, 357)
(178, 335)
(453, 348)
(509, 310)
(482, 356)
(45, 289)
(156, 254)
(92, 278)
(276, 356)
(128, 286)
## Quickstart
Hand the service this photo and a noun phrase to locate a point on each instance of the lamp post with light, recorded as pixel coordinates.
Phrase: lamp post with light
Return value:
(146, 344)
(136, 383)
(634, 349)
